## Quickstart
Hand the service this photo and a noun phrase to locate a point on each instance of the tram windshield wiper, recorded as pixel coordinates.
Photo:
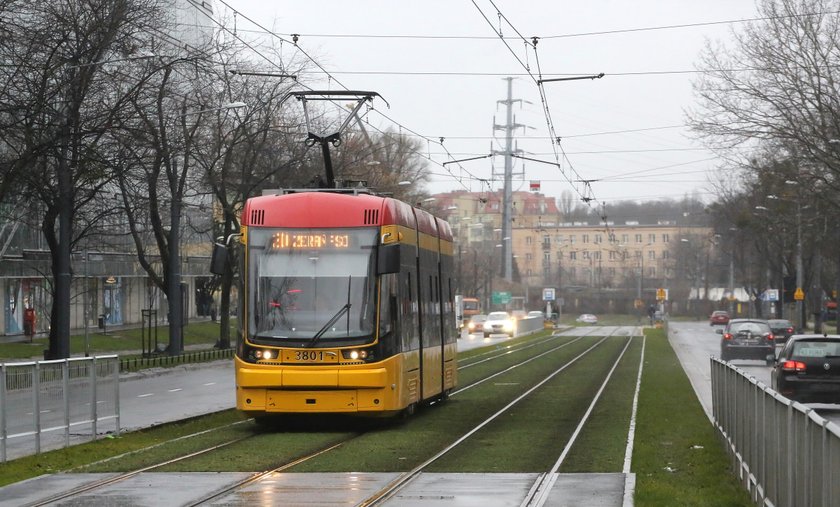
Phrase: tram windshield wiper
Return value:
(329, 323)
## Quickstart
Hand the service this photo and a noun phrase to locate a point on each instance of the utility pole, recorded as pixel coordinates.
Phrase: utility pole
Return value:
(507, 202)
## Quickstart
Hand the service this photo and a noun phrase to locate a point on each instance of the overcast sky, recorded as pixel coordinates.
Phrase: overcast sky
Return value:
(441, 67)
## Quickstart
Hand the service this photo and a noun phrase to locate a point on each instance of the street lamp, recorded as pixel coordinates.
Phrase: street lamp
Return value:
(800, 321)
(174, 289)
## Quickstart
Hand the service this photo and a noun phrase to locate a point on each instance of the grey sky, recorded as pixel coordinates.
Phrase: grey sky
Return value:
(448, 87)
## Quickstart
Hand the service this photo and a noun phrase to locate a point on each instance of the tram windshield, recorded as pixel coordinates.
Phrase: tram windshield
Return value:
(311, 285)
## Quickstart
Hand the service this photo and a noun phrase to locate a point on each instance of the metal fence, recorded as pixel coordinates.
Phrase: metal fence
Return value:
(44, 404)
(784, 453)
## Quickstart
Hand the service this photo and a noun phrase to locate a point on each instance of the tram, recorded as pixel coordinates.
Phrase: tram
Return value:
(346, 307)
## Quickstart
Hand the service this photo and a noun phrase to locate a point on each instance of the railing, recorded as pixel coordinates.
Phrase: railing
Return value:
(139, 363)
(784, 452)
(40, 402)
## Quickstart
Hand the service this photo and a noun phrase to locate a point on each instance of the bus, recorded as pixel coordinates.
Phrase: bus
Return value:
(471, 307)
(346, 307)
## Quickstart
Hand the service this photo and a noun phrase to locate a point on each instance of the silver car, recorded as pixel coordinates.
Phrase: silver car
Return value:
(499, 322)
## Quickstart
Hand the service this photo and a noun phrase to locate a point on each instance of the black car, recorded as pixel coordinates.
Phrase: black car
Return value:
(747, 339)
(808, 369)
(782, 329)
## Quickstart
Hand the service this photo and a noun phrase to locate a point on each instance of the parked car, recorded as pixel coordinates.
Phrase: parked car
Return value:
(588, 318)
(719, 317)
(782, 329)
(747, 339)
(499, 322)
(476, 323)
(808, 369)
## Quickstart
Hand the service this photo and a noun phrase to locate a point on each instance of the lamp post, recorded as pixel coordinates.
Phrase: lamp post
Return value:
(798, 295)
(174, 288)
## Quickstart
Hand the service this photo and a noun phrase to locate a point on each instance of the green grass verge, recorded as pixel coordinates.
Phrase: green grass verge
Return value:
(74, 457)
(677, 457)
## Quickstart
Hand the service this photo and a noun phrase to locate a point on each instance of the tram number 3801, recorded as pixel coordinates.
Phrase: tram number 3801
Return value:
(310, 356)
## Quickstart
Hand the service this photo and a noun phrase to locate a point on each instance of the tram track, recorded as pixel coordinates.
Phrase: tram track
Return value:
(542, 485)
(401, 481)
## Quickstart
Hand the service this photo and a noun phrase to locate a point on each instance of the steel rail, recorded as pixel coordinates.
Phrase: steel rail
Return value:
(401, 481)
(539, 491)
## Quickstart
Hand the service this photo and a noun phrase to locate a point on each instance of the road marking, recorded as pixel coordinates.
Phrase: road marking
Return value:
(210, 384)
(145, 395)
(175, 390)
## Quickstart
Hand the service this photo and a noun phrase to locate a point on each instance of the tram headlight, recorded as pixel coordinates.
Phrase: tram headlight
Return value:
(355, 355)
(263, 354)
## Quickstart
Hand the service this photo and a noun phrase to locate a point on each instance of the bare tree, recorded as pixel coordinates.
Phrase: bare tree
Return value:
(779, 85)
(56, 103)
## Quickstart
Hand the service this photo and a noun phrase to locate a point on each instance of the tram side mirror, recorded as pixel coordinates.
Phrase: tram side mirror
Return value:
(389, 259)
(219, 259)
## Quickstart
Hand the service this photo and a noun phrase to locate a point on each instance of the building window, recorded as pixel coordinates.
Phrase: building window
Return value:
(666, 238)
(597, 255)
(572, 256)
(612, 255)
(586, 254)
(528, 257)
(638, 254)
(572, 239)
(546, 240)
(651, 238)
(546, 272)
(625, 238)
(527, 240)
(638, 238)
(652, 272)
(586, 238)
(666, 254)
(558, 239)
(546, 256)
(612, 238)
(611, 272)
(652, 255)
(597, 238)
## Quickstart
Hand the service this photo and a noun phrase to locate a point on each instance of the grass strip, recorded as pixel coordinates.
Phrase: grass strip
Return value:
(77, 456)
(531, 435)
(678, 457)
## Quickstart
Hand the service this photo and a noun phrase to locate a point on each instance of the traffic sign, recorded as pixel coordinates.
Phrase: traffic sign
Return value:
(770, 295)
(501, 298)
(661, 294)
(799, 295)
(548, 294)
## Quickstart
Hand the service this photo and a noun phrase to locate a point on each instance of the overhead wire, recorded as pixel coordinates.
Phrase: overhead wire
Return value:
(309, 57)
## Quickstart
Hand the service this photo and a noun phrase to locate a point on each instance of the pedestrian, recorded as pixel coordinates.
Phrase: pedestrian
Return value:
(29, 322)
(651, 313)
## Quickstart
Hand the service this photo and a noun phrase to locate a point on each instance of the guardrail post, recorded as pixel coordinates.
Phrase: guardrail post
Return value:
(36, 404)
(65, 380)
(93, 408)
(117, 397)
(3, 431)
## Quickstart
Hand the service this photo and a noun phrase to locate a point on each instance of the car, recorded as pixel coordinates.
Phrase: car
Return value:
(476, 323)
(719, 317)
(499, 322)
(747, 339)
(782, 329)
(808, 369)
(536, 313)
(588, 318)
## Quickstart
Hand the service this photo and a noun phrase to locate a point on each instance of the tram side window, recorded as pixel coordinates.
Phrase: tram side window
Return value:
(387, 306)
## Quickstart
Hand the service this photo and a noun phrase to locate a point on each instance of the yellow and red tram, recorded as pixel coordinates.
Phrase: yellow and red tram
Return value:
(347, 305)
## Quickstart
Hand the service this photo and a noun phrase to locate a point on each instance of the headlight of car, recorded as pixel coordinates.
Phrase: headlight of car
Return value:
(509, 325)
